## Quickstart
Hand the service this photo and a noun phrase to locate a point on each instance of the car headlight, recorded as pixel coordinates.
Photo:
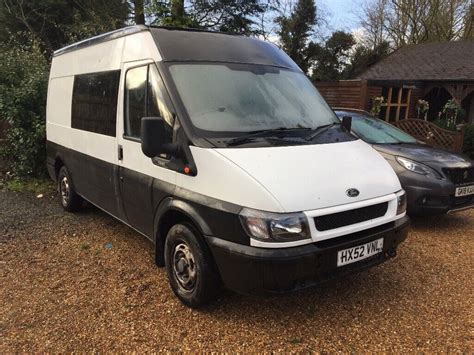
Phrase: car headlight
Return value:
(275, 227)
(401, 202)
(418, 168)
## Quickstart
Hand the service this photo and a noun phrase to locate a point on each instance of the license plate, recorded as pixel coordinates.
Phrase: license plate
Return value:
(360, 252)
(464, 191)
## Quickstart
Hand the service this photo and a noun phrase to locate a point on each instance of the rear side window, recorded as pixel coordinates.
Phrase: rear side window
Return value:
(94, 102)
(145, 95)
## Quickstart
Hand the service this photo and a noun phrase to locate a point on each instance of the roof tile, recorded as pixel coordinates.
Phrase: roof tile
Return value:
(427, 61)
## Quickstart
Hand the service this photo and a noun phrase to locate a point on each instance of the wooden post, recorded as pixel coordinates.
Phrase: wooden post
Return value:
(399, 102)
(389, 99)
(363, 94)
(408, 103)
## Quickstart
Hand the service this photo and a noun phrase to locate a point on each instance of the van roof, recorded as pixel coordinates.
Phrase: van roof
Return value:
(183, 44)
(121, 32)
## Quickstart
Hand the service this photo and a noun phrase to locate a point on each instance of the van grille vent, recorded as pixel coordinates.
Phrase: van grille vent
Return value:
(346, 218)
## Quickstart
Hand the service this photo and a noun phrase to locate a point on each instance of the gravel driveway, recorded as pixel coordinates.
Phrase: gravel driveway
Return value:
(85, 282)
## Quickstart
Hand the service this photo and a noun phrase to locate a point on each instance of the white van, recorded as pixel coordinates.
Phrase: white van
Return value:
(218, 149)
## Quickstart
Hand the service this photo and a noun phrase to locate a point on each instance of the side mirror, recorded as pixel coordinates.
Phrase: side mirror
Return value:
(155, 137)
(347, 123)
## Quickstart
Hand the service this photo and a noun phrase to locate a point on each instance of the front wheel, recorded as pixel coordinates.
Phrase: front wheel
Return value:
(70, 200)
(189, 267)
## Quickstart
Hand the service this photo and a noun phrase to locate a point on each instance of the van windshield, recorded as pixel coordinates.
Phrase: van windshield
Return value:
(248, 98)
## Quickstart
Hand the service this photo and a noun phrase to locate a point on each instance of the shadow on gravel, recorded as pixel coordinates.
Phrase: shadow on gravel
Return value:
(370, 290)
(442, 222)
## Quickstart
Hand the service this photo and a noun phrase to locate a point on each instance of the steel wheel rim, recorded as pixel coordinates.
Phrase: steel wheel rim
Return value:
(184, 267)
(64, 190)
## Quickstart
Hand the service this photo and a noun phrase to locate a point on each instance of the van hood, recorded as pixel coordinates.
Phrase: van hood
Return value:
(309, 177)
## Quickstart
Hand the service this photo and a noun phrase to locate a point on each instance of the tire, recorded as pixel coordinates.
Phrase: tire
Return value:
(70, 200)
(189, 266)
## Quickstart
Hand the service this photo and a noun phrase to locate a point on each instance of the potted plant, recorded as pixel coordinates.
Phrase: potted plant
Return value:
(377, 102)
(449, 116)
(422, 107)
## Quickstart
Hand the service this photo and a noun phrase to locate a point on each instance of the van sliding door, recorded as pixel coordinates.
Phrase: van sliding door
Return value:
(93, 118)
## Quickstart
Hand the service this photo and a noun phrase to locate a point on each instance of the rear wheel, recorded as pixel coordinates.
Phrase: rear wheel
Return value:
(189, 266)
(70, 200)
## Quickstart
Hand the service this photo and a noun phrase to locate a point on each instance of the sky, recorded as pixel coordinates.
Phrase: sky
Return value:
(341, 14)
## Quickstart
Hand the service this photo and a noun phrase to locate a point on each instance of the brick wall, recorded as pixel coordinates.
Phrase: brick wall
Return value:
(372, 91)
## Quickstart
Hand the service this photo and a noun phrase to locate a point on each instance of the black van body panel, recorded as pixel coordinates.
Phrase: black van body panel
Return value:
(251, 270)
(140, 194)
(94, 179)
(141, 200)
(210, 216)
(198, 46)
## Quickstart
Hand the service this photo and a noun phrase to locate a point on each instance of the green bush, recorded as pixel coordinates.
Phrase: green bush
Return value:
(23, 87)
(468, 146)
(444, 124)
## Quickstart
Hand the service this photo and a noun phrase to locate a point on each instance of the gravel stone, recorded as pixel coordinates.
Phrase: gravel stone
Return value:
(85, 282)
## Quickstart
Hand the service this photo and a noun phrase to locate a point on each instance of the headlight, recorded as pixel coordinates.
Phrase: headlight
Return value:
(275, 227)
(401, 202)
(418, 168)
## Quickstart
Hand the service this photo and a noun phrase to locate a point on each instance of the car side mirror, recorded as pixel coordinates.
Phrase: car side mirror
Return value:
(155, 138)
(347, 123)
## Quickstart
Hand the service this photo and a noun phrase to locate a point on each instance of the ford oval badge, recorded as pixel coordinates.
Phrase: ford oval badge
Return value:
(352, 192)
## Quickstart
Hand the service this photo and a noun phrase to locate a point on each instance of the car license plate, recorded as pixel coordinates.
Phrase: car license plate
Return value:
(360, 252)
(464, 191)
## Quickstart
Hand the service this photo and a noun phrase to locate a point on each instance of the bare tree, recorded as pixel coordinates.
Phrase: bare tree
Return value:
(402, 22)
(468, 31)
(373, 19)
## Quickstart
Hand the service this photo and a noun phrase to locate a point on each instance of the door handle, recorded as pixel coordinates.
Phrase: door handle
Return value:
(120, 152)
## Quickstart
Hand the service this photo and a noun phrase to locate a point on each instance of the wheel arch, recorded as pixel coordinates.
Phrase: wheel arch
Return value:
(58, 163)
(170, 212)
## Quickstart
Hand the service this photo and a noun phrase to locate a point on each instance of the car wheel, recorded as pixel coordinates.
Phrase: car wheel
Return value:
(70, 200)
(190, 267)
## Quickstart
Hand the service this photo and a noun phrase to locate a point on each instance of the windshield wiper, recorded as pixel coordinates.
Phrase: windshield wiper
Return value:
(319, 130)
(266, 133)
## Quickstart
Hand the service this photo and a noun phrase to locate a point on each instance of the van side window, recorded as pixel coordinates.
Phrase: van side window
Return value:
(94, 102)
(145, 95)
(135, 99)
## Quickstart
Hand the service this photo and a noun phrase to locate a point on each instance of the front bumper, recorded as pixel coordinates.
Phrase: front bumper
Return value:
(433, 198)
(252, 270)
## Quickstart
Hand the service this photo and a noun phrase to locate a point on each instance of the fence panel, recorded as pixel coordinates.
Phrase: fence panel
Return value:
(432, 134)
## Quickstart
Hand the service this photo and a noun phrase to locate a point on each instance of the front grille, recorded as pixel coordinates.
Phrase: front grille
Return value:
(346, 218)
(460, 176)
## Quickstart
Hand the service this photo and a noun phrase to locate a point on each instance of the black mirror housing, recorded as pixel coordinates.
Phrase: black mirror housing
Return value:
(347, 123)
(155, 140)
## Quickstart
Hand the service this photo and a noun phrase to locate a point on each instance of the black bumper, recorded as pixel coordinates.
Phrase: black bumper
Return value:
(435, 200)
(251, 270)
